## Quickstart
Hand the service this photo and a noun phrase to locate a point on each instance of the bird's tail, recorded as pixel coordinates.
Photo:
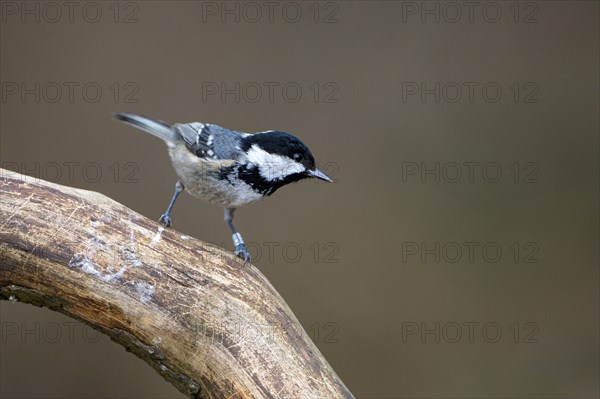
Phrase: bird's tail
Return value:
(155, 127)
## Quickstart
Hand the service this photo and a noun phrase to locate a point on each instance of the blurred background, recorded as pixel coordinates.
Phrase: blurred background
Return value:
(456, 255)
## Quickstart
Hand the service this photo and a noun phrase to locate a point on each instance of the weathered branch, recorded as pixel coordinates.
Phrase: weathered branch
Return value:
(210, 325)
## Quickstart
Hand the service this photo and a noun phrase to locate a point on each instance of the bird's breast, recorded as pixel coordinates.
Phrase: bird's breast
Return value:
(214, 181)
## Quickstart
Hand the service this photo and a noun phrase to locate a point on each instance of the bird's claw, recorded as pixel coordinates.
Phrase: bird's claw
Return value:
(165, 219)
(242, 252)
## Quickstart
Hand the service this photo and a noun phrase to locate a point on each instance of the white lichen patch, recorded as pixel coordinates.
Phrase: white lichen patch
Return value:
(144, 291)
(130, 256)
(156, 238)
(80, 260)
(97, 250)
(109, 261)
(129, 252)
(106, 218)
(186, 237)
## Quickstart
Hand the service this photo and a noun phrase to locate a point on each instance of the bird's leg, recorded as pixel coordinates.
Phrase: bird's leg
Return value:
(238, 241)
(166, 217)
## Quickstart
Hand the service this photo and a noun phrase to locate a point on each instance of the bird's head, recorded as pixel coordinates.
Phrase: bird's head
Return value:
(280, 159)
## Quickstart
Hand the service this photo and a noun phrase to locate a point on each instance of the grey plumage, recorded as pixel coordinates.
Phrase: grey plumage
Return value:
(210, 141)
(155, 127)
(205, 140)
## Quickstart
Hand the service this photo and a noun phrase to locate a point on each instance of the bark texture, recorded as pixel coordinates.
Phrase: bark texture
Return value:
(212, 326)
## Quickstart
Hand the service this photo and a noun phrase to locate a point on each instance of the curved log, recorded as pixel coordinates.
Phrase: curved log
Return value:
(212, 326)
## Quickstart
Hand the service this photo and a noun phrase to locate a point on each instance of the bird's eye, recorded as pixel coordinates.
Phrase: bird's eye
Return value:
(297, 157)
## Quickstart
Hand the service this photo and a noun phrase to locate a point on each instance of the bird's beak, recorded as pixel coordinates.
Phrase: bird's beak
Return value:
(319, 175)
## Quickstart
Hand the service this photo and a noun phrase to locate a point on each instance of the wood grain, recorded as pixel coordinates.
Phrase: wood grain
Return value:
(212, 326)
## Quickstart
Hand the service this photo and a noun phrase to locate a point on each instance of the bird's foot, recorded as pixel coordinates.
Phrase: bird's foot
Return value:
(242, 252)
(165, 219)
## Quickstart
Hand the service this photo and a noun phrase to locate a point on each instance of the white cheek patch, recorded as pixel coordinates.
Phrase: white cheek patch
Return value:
(273, 166)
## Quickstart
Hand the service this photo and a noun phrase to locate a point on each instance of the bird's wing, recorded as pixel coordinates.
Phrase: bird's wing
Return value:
(210, 142)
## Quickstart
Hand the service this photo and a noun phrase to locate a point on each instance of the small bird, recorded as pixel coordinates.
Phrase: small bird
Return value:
(229, 168)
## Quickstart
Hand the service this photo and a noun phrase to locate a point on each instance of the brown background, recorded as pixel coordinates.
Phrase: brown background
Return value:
(365, 220)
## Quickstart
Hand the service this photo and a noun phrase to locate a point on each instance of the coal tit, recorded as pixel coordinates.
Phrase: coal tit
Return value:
(229, 168)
